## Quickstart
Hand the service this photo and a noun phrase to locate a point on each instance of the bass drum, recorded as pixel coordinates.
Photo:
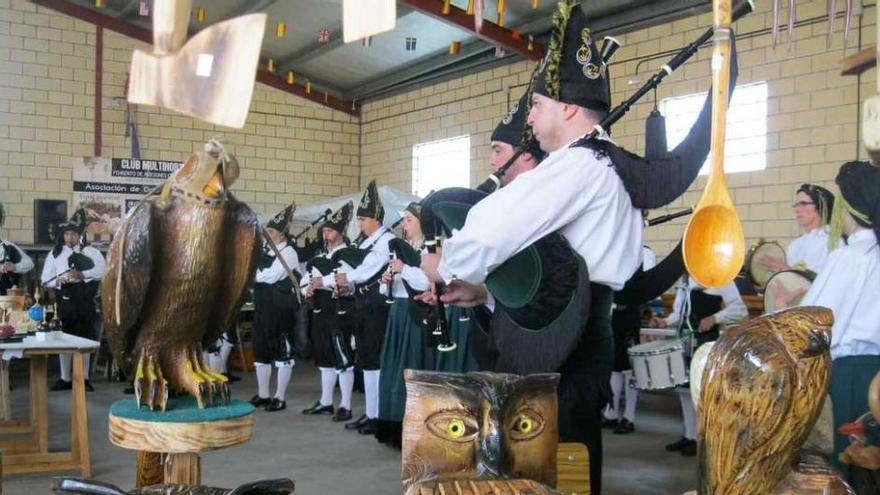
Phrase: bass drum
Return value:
(786, 289)
(759, 274)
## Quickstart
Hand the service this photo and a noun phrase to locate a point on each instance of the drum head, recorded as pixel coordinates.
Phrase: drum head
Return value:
(654, 347)
(786, 289)
(757, 272)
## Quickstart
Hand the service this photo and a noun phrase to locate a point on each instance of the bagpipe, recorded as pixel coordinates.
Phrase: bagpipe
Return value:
(77, 261)
(639, 180)
(325, 266)
(542, 294)
(9, 253)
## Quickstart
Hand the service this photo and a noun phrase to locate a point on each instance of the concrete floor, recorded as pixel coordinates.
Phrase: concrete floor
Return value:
(323, 458)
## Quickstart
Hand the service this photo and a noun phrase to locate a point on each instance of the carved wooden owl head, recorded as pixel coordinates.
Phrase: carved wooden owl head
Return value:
(479, 426)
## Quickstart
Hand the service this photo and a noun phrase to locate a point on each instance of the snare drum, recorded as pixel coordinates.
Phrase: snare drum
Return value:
(658, 365)
(792, 280)
(757, 272)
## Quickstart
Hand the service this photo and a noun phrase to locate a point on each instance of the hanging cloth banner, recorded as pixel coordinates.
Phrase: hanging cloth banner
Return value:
(365, 18)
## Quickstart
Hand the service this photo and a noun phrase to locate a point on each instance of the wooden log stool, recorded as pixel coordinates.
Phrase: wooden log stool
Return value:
(177, 436)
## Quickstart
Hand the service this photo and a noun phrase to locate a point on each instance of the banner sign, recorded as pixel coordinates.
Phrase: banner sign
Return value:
(107, 188)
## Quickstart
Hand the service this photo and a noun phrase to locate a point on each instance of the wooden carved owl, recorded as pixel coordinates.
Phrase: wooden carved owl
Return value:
(176, 277)
(473, 433)
(762, 390)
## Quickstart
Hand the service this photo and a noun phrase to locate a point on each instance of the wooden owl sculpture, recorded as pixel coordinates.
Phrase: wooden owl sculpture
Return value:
(479, 433)
(762, 391)
(176, 277)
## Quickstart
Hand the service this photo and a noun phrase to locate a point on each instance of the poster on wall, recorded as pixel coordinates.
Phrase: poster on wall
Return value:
(107, 188)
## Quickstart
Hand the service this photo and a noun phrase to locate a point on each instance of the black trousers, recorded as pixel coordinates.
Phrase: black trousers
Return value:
(274, 320)
(584, 387)
(371, 315)
(76, 308)
(329, 329)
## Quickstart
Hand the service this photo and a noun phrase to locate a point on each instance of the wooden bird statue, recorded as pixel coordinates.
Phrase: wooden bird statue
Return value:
(762, 391)
(176, 277)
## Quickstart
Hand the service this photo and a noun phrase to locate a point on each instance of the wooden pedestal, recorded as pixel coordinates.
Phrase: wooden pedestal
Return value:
(169, 443)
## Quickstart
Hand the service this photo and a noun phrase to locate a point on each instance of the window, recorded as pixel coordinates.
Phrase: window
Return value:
(439, 164)
(746, 146)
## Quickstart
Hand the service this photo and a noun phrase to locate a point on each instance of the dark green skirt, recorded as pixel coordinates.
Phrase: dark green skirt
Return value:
(850, 378)
(404, 347)
(459, 360)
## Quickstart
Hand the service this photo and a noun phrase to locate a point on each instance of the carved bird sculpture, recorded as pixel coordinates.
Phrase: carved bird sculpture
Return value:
(762, 390)
(177, 275)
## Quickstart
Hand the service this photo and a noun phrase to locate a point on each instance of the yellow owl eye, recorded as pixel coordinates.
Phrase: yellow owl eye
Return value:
(455, 428)
(453, 425)
(526, 425)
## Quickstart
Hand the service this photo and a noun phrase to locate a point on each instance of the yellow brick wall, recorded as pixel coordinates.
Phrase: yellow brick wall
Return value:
(290, 149)
(812, 112)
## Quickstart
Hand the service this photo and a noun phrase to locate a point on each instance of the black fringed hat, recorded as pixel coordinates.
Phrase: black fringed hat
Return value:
(283, 220)
(515, 131)
(340, 218)
(371, 203)
(859, 182)
(77, 223)
(573, 70)
(415, 208)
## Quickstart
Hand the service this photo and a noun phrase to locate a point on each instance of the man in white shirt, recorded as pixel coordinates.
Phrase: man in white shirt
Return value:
(74, 270)
(13, 261)
(371, 312)
(850, 286)
(275, 307)
(577, 193)
(332, 319)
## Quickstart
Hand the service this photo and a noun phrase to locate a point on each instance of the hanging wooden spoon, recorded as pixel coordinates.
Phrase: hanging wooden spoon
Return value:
(714, 246)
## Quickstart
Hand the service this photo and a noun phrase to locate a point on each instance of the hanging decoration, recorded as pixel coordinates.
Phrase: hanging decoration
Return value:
(323, 35)
(308, 87)
(362, 18)
(353, 106)
(270, 65)
(144, 9)
(536, 4)
(502, 7)
(99, 3)
(410, 43)
(454, 47)
(326, 97)
(499, 52)
(290, 77)
(366, 42)
(514, 33)
(447, 7)
(478, 15)
(200, 14)
(281, 29)
(470, 7)
(531, 43)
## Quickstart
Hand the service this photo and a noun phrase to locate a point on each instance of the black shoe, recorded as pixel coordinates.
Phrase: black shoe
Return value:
(89, 387)
(624, 426)
(678, 445)
(356, 424)
(370, 427)
(232, 378)
(129, 390)
(258, 401)
(342, 414)
(609, 423)
(318, 409)
(276, 405)
(61, 385)
(690, 450)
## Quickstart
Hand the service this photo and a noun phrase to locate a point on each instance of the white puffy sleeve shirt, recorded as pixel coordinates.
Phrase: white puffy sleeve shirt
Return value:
(572, 191)
(810, 249)
(276, 270)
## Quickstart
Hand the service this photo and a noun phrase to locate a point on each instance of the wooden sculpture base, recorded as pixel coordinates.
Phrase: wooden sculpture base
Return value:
(176, 437)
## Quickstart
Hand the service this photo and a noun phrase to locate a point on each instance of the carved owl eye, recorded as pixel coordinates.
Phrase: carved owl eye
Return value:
(526, 425)
(456, 426)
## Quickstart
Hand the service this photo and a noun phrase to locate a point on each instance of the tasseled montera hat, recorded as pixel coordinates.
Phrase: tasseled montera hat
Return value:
(77, 223)
(340, 218)
(283, 221)
(371, 204)
(515, 131)
(573, 70)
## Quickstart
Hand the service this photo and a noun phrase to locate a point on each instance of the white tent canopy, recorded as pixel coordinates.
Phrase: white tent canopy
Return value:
(394, 201)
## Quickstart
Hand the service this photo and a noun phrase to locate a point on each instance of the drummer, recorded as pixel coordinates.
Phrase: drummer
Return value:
(812, 210)
(703, 312)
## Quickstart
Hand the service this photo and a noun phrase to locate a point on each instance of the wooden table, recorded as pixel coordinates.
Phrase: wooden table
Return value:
(32, 455)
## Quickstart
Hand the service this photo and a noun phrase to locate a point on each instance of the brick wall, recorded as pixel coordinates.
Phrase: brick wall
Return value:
(290, 149)
(812, 112)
